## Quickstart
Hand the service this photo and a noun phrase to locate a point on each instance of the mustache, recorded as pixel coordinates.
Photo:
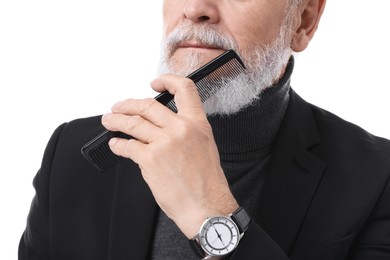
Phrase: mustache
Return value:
(203, 33)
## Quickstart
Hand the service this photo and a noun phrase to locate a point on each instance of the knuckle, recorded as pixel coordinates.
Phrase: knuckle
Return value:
(145, 105)
(127, 147)
(183, 130)
(192, 132)
(132, 122)
(153, 154)
(188, 84)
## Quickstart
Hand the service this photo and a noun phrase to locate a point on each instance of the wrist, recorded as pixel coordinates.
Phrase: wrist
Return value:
(190, 222)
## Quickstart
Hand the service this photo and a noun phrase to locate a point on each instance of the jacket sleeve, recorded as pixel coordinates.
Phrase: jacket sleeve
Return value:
(257, 244)
(35, 241)
(373, 241)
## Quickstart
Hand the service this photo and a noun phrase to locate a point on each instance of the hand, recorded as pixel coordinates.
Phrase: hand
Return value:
(176, 153)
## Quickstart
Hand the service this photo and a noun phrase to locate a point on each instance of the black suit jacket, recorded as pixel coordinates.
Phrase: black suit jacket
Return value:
(327, 196)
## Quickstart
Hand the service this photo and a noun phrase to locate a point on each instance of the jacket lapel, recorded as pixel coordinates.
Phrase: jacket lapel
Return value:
(293, 175)
(133, 215)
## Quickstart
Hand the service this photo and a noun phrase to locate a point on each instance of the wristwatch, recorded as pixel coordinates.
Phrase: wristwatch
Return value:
(219, 235)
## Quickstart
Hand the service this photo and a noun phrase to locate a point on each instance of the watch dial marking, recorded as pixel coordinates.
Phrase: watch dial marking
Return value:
(219, 236)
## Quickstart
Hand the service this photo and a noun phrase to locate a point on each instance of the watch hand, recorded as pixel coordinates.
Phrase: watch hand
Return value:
(219, 236)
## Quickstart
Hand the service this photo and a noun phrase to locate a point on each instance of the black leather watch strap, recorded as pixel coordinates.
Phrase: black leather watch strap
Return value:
(197, 248)
(241, 218)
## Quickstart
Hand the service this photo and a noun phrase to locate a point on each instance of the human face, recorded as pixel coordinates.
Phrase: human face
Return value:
(191, 43)
(248, 22)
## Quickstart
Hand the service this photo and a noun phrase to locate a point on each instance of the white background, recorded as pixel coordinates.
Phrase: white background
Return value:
(61, 60)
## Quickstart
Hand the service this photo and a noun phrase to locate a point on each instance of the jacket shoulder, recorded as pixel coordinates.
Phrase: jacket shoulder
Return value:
(72, 137)
(349, 140)
(88, 125)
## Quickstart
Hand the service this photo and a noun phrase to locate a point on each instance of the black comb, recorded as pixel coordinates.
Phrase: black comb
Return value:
(208, 79)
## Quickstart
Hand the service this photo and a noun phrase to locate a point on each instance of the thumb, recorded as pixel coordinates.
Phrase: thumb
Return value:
(186, 94)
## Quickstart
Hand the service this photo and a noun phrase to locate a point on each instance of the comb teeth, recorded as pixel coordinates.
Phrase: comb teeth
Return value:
(172, 105)
(218, 78)
(102, 159)
(208, 80)
(211, 83)
(98, 152)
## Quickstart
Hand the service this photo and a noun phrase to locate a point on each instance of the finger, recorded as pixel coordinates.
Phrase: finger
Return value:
(131, 149)
(135, 126)
(186, 94)
(150, 109)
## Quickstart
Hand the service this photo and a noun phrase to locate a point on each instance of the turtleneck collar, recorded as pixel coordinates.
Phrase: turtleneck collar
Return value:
(250, 133)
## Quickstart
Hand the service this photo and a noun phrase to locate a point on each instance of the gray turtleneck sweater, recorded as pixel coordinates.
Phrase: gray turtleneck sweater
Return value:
(245, 142)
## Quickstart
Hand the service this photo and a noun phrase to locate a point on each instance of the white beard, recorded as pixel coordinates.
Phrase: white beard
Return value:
(265, 65)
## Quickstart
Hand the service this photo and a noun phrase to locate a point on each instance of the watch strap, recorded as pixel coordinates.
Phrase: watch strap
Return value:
(196, 247)
(241, 218)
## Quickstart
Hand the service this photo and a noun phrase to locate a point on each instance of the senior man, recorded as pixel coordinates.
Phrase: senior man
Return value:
(253, 173)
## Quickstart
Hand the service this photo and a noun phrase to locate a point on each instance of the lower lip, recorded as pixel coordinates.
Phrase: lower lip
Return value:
(199, 48)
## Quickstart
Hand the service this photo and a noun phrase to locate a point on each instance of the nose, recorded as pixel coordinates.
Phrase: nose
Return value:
(201, 11)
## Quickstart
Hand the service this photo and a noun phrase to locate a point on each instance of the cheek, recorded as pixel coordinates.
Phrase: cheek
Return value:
(248, 34)
(254, 31)
(167, 28)
(256, 22)
(172, 14)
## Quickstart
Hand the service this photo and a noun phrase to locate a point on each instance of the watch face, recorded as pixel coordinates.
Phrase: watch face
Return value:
(219, 236)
